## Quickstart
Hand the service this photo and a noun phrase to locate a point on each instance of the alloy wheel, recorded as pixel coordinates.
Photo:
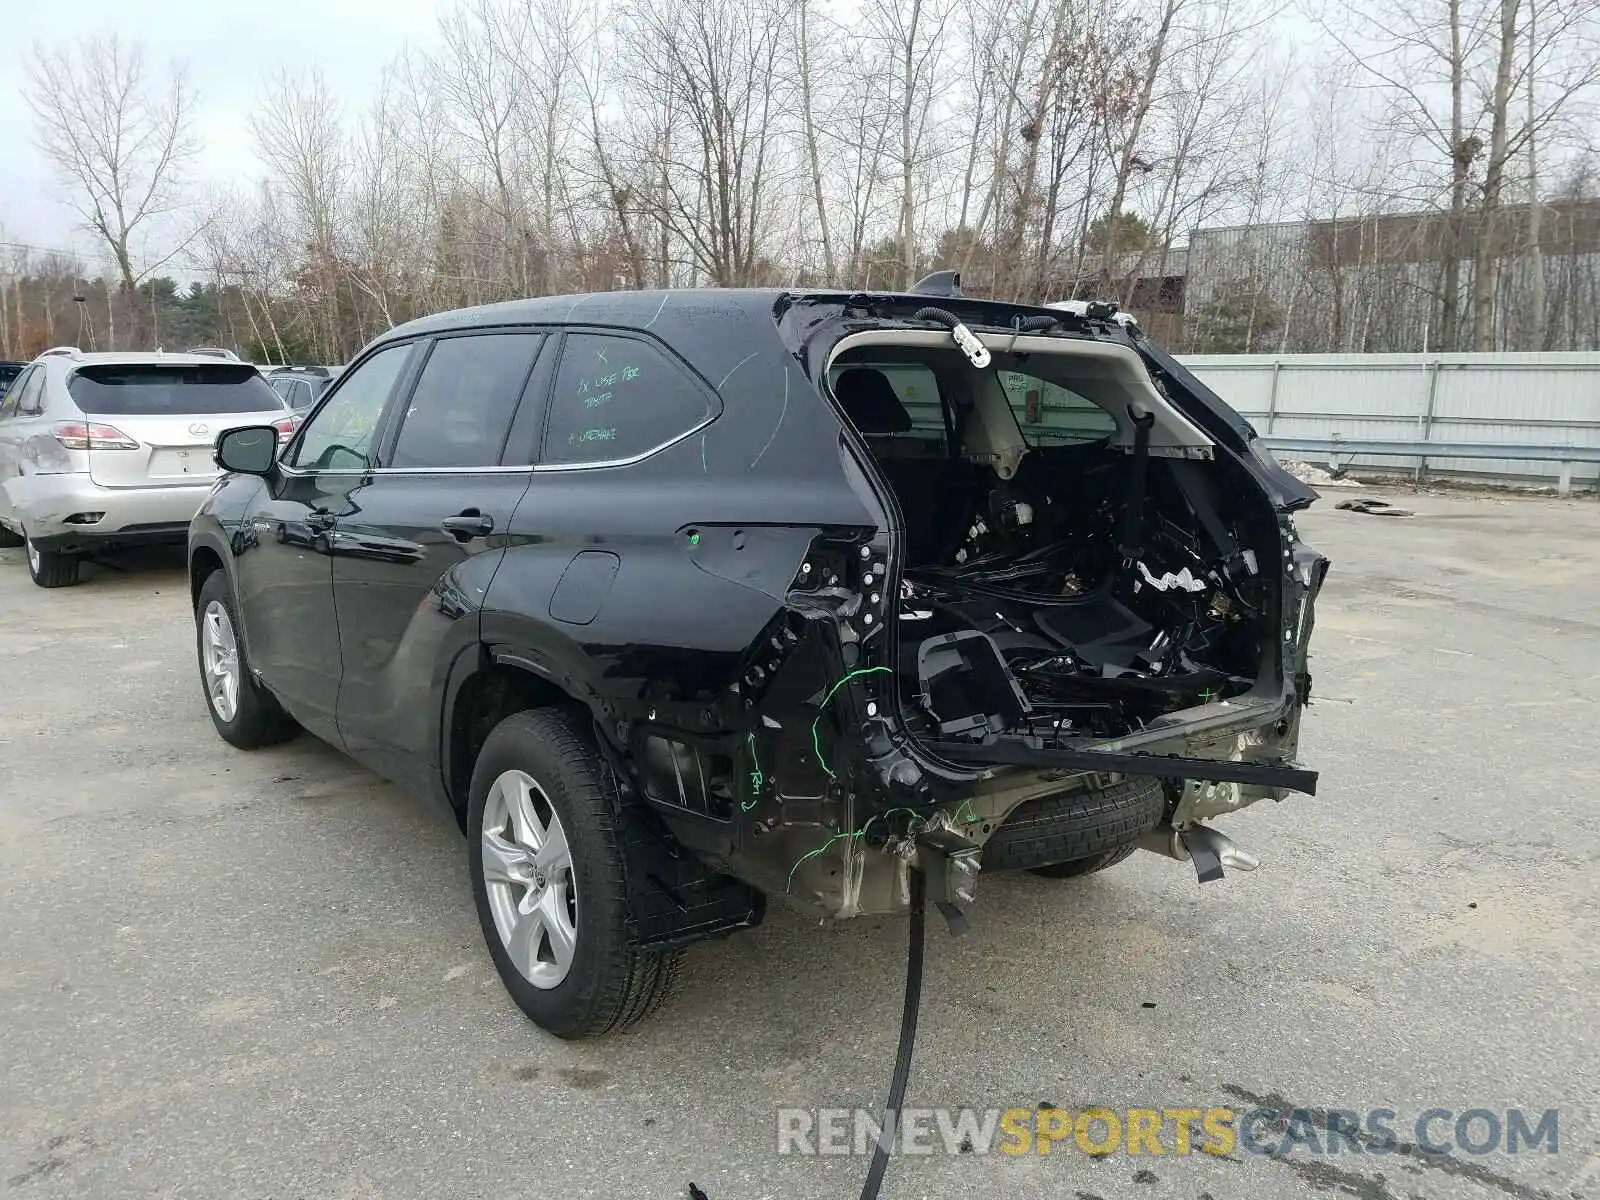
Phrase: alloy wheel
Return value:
(527, 874)
(220, 658)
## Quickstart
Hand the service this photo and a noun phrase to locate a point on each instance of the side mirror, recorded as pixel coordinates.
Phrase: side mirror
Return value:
(249, 450)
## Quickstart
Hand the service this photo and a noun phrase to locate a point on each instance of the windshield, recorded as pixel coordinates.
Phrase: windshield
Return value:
(160, 389)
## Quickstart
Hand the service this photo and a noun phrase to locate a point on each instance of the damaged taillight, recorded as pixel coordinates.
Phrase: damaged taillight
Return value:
(80, 435)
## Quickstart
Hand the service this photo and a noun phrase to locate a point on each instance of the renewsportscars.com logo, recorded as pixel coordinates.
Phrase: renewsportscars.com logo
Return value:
(1176, 1131)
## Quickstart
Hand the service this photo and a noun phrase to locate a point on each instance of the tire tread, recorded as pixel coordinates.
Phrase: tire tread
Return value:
(56, 570)
(1074, 826)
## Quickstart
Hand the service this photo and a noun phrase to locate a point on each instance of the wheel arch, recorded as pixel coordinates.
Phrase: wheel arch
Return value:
(204, 562)
(484, 686)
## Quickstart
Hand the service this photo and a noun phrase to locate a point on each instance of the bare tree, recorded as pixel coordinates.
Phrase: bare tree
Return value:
(913, 33)
(118, 136)
(806, 74)
(712, 96)
(1044, 147)
(300, 135)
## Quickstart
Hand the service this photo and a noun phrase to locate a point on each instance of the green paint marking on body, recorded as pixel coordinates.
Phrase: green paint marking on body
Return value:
(816, 742)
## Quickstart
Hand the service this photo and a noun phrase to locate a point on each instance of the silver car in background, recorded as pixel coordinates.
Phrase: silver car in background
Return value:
(102, 451)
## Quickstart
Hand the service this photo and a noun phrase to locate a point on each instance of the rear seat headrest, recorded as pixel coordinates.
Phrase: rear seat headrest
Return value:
(870, 402)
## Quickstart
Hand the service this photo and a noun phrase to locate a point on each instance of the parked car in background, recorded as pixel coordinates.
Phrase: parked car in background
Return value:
(676, 602)
(100, 451)
(301, 387)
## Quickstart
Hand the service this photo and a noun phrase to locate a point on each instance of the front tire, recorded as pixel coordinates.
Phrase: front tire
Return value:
(50, 568)
(245, 713)
(545, 858)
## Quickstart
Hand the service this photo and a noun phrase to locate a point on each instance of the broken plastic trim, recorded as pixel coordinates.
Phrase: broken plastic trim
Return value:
(1161, 766)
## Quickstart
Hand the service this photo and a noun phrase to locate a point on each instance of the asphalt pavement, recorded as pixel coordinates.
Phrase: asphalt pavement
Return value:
(260, 975)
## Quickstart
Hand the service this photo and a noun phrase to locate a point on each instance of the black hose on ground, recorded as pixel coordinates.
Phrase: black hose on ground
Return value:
(908, 1040)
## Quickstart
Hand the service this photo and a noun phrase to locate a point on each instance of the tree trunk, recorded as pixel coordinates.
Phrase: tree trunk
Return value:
(813, 157)
(1484, 276)
(1460, 165)
(1537, 339)
(908, 150)
(1153, 69)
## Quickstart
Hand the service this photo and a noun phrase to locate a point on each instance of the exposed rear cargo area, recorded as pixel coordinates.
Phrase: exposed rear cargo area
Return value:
(1075, 561)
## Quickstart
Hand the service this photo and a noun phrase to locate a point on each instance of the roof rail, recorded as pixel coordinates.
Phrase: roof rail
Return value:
(62, 352)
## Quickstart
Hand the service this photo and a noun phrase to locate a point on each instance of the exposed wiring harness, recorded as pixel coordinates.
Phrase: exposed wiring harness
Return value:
(969, 342)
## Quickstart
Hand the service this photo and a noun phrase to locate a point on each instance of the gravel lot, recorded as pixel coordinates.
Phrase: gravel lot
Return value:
(260, 975)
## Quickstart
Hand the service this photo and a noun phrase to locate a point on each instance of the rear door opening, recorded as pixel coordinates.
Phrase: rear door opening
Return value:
(1078, 562)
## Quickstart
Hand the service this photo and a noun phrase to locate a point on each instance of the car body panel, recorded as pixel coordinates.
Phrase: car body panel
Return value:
(282, 567)
(173, 451)
(401, 583)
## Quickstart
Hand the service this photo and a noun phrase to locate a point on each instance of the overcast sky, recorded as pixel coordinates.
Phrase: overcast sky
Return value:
(229, 48)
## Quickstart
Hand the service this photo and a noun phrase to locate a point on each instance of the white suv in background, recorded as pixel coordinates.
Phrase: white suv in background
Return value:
(109, 450)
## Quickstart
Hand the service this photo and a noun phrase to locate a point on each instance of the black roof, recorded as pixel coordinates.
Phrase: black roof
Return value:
(720, 330)
(671, 307)
(675, 307)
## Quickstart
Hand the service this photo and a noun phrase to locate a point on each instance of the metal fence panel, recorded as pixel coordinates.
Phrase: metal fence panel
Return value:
(1524, 399)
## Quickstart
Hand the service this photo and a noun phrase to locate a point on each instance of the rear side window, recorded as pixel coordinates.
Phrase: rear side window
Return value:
(1051, 415)
(156, 390)
(618, 397)
(11, 393)
(28, 394)
(461, 409)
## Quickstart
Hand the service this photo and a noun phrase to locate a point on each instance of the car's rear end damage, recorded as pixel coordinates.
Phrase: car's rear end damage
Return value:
(1080, 626)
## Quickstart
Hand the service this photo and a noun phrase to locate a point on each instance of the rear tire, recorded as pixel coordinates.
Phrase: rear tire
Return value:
(545, 758)
(1075, 833)
(50, 568)
(253, 718)
(9, 540)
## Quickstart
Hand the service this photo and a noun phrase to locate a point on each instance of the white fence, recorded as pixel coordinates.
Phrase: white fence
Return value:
(1538, 399)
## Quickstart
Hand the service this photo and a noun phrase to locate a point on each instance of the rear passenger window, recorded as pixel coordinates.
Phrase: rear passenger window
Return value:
(461, 409)
(1050, 415)
(30, 394)
(10, 399)
(619, 397)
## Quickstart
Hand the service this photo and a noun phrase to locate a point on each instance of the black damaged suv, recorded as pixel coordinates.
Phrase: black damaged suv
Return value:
(677, 601)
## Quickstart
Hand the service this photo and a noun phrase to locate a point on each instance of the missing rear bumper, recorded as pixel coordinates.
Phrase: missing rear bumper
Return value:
(1161, 766)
